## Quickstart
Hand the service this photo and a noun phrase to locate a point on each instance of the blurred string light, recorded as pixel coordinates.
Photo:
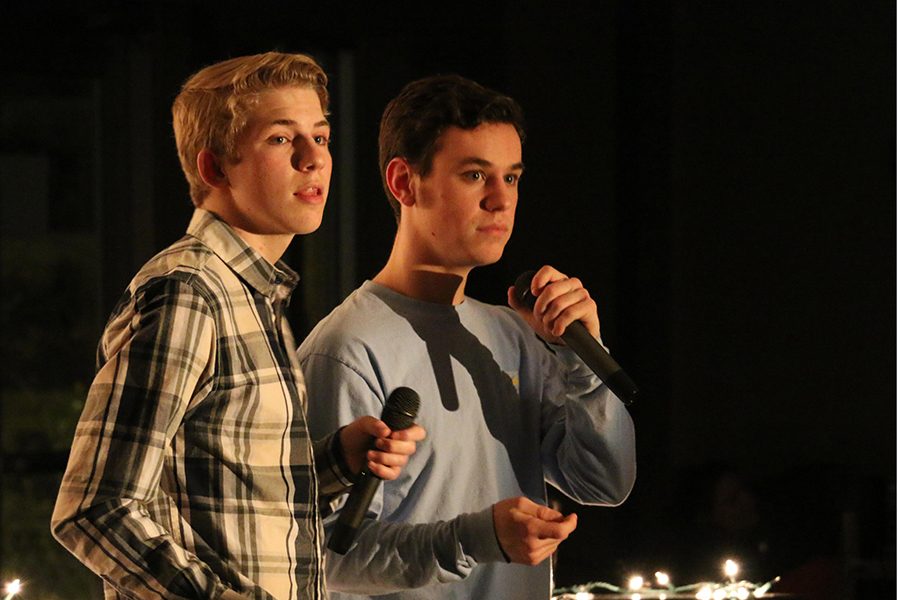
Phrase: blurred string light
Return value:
(637, 588)
(12, 588)
(731, 570)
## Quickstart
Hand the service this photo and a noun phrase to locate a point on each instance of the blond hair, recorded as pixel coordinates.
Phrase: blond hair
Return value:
(212, 109)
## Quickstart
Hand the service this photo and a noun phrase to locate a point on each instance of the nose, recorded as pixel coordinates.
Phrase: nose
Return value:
(309, 155)
(499, 196)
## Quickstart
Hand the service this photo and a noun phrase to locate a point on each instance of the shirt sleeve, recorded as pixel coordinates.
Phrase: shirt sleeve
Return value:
(389, 556)
(588, 443)
(159, 353)
(332, 471)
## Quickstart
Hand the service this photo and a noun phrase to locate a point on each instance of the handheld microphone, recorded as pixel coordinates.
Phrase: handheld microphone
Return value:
(588, 349)
(399, 412)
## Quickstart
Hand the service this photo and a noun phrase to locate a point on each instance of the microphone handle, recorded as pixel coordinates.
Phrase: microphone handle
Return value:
(579, 339)
(399, 412)
(352, 512)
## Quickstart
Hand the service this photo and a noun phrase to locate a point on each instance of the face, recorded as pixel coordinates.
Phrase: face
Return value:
(280, 183)
(464, 208)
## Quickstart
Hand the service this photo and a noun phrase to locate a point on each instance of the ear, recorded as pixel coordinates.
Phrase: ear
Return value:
(210, 169)
(400, 178)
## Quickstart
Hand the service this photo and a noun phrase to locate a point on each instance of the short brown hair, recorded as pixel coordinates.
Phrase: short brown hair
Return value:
(414, 120)
(211, 110)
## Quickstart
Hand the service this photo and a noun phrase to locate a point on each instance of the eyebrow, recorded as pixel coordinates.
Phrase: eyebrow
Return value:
(322, 123)
(474, 160)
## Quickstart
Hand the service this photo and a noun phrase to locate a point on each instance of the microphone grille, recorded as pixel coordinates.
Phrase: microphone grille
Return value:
(523, 288)
(401, 408)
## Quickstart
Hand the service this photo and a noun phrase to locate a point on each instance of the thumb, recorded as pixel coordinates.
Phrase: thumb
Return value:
(374, 427)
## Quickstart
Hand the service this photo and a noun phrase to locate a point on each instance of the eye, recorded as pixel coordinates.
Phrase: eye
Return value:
(474, 175)
(322, 140)
(512, 178)
(278, 140)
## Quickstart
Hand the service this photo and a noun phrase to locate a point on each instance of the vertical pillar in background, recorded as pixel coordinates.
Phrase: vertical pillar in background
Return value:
(346, 209)
(127, 215)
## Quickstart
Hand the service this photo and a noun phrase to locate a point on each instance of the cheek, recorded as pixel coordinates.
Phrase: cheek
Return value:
(453, 221)
(253, 171)
(271, 176)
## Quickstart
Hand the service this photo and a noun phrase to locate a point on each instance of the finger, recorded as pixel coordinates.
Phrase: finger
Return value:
(415, 433)
(548, 514)
(541, 511)
(391, 446)
(568, 298)
(384, 472)
(374, 427)
(389, 459)
(536, 553)
(544, 276)
(554, 530)
(537, 528)
(523, 546)
(569, 523)
(523, 509)
(536, 544)
(562, 303)
(573, 307)
(556, 293)
(561, 324)
(519, 516)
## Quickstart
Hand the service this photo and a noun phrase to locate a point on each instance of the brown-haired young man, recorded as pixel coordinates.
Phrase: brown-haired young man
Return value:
(504, 412)
(192, 474)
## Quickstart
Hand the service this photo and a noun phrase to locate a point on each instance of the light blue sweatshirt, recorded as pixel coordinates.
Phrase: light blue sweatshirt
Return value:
(503, 414)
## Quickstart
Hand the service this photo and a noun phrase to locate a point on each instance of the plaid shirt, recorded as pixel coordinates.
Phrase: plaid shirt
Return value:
(191, 469)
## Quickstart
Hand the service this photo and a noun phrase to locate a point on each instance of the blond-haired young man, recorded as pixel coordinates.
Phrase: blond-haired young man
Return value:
(192, 474)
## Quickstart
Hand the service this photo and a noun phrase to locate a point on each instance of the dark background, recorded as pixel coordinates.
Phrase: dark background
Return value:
(721, 175)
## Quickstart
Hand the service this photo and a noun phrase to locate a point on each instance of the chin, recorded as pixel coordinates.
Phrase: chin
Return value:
(307, 224)
(484, 261)
(307, 228)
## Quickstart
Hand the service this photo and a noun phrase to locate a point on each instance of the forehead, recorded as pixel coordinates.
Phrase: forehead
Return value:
(496, 143)
(294, 103)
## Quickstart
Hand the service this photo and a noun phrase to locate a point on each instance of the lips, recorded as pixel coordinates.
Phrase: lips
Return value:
(312, 194)
(494, 228)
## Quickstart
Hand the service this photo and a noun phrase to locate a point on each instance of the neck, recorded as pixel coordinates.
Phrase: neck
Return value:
(423, 281)
(271, 247)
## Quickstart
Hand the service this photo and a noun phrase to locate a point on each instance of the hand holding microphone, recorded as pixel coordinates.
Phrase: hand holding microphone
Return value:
(399, 413)
(569, 295)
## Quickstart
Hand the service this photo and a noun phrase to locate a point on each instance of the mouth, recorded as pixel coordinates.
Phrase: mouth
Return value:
(312, 194)
(494, 229)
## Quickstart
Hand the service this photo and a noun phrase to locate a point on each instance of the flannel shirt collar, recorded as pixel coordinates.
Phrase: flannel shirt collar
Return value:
(273, 281)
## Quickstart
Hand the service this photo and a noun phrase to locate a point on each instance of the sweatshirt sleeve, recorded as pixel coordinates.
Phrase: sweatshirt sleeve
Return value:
(388, 556)
(588, 443)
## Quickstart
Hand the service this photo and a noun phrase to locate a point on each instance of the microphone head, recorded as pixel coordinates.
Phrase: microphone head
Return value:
(401, 409)
(523, 289)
